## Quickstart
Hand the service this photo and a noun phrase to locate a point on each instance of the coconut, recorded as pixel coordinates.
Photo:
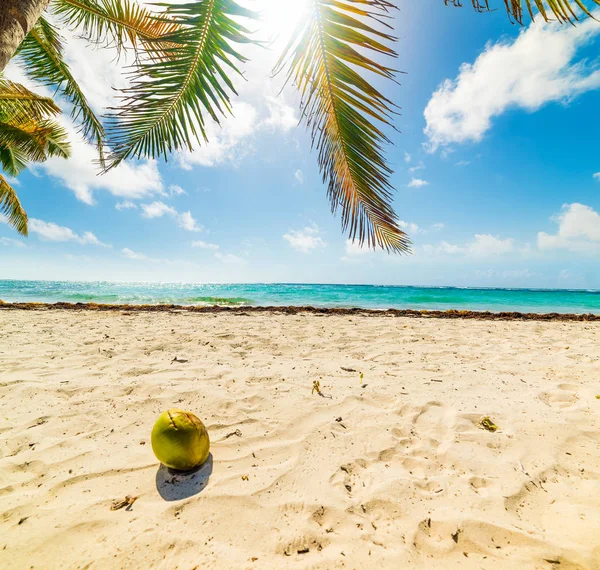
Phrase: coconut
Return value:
(180, 440)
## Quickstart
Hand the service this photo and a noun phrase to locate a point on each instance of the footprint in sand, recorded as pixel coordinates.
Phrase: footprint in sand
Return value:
(435, 537)
(564, 397)
(433, 425)
(421, 440)
(352, 477)
(301, 545)
(480, 485)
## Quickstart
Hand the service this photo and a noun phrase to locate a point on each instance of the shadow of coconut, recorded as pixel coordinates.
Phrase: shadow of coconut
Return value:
(175, 485)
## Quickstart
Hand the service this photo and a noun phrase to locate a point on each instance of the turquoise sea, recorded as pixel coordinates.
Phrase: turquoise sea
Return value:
(363, 296)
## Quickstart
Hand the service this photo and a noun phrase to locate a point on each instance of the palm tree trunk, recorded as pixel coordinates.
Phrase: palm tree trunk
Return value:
(17, 17)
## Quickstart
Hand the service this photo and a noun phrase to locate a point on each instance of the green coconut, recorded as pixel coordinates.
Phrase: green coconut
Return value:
(180, 440)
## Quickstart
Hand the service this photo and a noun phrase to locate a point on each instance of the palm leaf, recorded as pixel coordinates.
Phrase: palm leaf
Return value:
(12, 160)
(165, 109)
(41, 56)
(11, 207)
(35, 140)
(27, 132)
(18, 102)
(57, 141)
(118, 22)
(327, 61)
(565, 11)
(28, 139)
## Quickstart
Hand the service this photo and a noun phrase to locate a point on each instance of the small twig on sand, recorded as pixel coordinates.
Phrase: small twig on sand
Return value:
(236, 432)
(124, 503)
(523, 468)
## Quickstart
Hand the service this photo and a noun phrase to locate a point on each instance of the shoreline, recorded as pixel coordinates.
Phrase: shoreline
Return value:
(295, 310)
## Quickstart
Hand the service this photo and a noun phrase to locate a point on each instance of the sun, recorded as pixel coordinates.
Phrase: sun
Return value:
(278, 18)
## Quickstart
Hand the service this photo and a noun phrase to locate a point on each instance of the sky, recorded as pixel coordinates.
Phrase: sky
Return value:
(497, 172)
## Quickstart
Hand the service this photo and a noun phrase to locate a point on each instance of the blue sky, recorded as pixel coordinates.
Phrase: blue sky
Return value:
(497, 173)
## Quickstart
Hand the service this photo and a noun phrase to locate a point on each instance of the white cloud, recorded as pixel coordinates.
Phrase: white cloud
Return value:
(483, 245)
(188, 222)
(126, 205)
(597, 176)
(417, 167)
(578, 230)
(97, 71)
(49, 231)
(407, 157)
(232, 141)
(409, 227)
(90, 238)
(130, 254)
(417, 183)
(184, 220)
(438, 227)
(443, 248)
(226, 141)
(463, 163)
(229, 258)
(449, 248)
(12, 242)
(299, 176)
(486, 244)
(282, 117)
(204, 245)
(536, 68)
(157, 210)
(12, 180)
(81, 174)
(354, 249)
(175, 190)
(306, 239)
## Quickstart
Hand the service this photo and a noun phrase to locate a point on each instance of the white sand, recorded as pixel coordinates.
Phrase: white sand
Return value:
(406, 479)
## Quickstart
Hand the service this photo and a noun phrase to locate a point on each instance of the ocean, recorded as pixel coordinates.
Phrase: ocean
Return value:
(279, 294)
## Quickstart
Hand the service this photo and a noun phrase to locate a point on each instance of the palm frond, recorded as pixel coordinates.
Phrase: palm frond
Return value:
(166, 106)
(565, 11)
(17, 102)
(31, 141)
(11, 207)
(57, 141)
(12, 160)
(41, 56)
(345, 113)
(116, 22)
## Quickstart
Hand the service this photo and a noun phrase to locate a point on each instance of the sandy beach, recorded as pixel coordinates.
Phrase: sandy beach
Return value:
(389, 467)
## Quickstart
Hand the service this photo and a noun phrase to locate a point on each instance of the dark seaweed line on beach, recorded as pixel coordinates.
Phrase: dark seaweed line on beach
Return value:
(291, 310)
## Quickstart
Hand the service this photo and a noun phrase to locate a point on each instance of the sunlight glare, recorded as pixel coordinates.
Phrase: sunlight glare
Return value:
(280, 17)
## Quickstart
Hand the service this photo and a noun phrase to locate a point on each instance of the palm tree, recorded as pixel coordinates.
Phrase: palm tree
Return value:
(27, 134)
(188, 55)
